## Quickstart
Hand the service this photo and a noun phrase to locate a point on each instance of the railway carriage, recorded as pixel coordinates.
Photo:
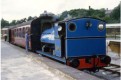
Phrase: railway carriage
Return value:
(17, 34)
(80, 43)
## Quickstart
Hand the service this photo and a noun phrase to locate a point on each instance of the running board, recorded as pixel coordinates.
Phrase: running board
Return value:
(52, 56)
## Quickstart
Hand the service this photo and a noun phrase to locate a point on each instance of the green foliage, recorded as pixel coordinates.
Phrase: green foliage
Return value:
(114, 17)
(107, 19)
(13, 22)
(63, 15)
(76, 13)
(30, 18)
(4, 23)
(116, 14)
(97, 13)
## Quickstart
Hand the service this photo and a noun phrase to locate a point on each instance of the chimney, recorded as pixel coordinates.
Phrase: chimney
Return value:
(89, 7)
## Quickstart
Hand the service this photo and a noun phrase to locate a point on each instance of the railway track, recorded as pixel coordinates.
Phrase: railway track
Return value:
(113, 68)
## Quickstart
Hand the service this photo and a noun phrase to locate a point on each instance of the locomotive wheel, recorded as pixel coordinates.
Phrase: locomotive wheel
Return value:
(74, 63)
(106, 60)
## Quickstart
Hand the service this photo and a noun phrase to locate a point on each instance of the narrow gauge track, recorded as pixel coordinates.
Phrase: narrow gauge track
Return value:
(113, 68)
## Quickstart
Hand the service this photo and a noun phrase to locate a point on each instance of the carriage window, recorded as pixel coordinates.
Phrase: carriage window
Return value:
(72, 27)
(14, 32)
(20, 32)
(29, 29)
(24, 32)
(26, 28)
(17, 32)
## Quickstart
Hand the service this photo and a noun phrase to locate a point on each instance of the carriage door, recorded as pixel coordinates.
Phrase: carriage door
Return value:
(9, 33)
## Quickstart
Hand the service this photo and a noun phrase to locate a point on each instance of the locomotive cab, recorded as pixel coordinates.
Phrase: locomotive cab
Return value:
(53, 40)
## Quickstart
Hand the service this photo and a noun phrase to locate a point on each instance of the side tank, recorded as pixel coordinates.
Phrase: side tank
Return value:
(47, 36)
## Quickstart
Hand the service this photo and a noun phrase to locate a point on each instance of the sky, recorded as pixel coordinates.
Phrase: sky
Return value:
(18, 9)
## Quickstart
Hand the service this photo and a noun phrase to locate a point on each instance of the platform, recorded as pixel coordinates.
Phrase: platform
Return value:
(19, 65)
(16, 64)
(115, 57)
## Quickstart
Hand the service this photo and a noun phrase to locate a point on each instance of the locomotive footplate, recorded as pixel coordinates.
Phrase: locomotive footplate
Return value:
(52, 56)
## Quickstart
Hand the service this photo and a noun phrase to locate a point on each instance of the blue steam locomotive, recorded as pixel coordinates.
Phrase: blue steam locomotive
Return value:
(80, 42)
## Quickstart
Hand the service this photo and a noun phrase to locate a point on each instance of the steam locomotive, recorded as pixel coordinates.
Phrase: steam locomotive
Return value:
(79, 42)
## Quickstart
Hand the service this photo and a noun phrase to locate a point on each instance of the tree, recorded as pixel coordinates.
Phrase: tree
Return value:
(18, 22)
(29, 18)
(4, 23)
(77, 13)
(14, 22)
(107, 19)
(63, 15)
(24, 20)
(115, 14)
